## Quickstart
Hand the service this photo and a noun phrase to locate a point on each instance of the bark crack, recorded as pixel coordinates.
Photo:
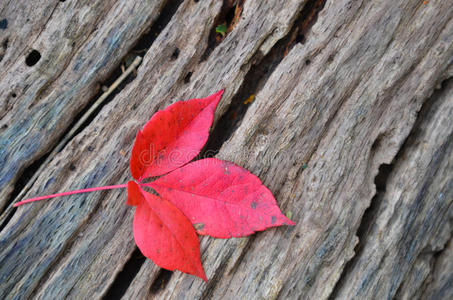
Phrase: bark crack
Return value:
(437, 255)
(380, 181)
(122, 280)
(261, 69)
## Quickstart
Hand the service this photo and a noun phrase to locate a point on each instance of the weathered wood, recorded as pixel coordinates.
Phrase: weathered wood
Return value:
(439, 285)
(80, 44)
(412, 217)
(356, 95)
(99, 161)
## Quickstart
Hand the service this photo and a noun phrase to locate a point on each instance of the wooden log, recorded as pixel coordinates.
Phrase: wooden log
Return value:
(346, 130)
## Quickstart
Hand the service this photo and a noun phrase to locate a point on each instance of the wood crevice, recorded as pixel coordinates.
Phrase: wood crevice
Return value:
(211, 284)
(258, 74)
(161, 281)
(230, 11)
(122, 280)
(368, 218)
(435, 263)
(307, 18)
(442, 151)
(380, 181)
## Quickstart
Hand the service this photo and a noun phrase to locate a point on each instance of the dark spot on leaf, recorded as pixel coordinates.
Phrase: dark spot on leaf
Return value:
(273, 219)
(253, 205)
(4, 24)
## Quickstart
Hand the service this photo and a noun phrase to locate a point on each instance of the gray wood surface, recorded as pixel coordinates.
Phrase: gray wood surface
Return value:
(351, 128)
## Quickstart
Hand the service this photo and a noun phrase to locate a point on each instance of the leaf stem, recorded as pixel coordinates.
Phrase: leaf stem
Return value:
(109, 187)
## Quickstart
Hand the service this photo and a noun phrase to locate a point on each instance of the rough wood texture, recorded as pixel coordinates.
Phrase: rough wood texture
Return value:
(347, 130)
(80, 44)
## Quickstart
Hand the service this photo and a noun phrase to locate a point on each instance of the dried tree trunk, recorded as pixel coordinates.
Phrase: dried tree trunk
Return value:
(351, 127)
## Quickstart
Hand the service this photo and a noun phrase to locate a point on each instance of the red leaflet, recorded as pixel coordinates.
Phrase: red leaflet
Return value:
(224, 200)
(165, 235)
(219, 198)
(173, 137)
(134, 194)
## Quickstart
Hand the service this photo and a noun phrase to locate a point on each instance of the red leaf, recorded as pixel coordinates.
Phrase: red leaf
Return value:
(218, 197)
(173, 137)
(165, 235)
(223, 200)
(134, 195)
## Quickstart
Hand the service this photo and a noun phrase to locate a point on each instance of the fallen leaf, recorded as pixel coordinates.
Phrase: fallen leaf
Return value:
(210, 196)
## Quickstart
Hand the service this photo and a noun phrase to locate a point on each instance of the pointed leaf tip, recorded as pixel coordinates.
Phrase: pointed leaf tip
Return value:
(165, 235)
(228, 200)
(186, 127)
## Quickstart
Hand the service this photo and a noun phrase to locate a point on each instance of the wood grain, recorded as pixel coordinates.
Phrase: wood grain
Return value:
(80, 43)
(348, 132)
